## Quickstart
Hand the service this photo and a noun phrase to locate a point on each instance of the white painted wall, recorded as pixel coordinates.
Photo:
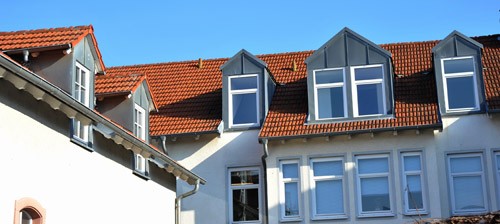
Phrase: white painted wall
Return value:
(71, 183)
(472, 132)
(210, 157)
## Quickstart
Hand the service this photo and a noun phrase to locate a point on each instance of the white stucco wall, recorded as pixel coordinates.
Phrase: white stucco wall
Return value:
(71, 183)
(478, 133)
(210, 157)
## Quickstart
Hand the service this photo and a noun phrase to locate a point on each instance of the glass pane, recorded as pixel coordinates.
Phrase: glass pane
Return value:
(244, 177)
(461, 92)
(459, 65)
(375, 165)
(498, 162)
(83, 78)
(291, 170)
(244, 83)
(26, 218)
(468, 193)
(331, 102)
(291, 199)
(328, 168)
(246, 204)
(466, 164)
(375, 194)
(368, 73)
(412, 163)
(329, 198)
(370, 99)
(244, 108)
(330, 76)
(414, 191)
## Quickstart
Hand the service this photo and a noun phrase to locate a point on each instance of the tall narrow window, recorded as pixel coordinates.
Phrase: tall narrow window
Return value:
(374, 188)
(467, 183)
(497, 172)
(368, 90)
(327, 184)
(243, 101)
(81, 94)
(139, 122)
(413, 187)
(459, 80)
(329, 93)
(244, 193)
(289, 190)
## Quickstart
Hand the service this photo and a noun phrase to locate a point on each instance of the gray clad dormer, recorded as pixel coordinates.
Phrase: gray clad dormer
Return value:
(346, 54)
(459, 75)
(247, 89)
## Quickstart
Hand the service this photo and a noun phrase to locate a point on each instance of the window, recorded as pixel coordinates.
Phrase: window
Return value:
(373, 186)
(413, 186)
(368, 90)
(467, 183)
(289, 190)
(243, 101)
(244, 195)
(140, 164)
(81, 94)
(139, 122)
(497, 172)
(329, 92)
(327, 184)
(459, 83)
(28, 211)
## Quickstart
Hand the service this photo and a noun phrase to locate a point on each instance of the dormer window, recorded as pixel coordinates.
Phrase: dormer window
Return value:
(368, 90)
(459, 83)
(330, 93)
(139, 122)
(243, 100)
(81, 94)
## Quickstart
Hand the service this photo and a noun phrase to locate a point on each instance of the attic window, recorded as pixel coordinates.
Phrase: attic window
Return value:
(329, 91)
(243, 101)
(459, 83)
(368, 90)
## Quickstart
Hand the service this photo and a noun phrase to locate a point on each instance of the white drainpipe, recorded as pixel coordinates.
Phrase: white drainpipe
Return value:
(180, 197)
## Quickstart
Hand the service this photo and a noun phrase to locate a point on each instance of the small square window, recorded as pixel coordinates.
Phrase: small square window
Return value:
(243, 101)
(141, 167)
(459, 84)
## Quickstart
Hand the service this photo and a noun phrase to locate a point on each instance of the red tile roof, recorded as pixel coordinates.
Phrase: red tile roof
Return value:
(117, 84)
(190, 100)
(43, 38)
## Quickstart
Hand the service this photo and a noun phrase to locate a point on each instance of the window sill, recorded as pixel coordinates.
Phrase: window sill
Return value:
(291, 219)
(85, 145)
(332, 217)
(144, 176)
(415, 213)
(376, 215)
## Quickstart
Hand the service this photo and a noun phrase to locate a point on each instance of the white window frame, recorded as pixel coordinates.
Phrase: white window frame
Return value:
(243, 91)
(79, 69)
(459, 75)
(140, 164)
(139, 127)
(282, 182)
(242, 187)
(314, 179)
(329, 86)
(497, 173)
(361, 213)
(355, 85)
(482, 174)
(404, 187)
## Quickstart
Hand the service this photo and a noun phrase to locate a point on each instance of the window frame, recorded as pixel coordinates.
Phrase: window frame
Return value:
(78, 86)
(423, 186)
(354, 89)
(472, 74)
(496, 166)
(32, 207)
(389, 174)
(312, 182)
(482, 174)
(342, 85)
(230, 189)
(138, 110)
(231, 93)
(282, 181)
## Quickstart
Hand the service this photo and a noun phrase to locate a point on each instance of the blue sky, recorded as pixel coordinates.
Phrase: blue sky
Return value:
(138, 32)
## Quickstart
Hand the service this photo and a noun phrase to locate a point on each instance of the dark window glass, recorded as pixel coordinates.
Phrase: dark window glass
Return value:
(331, 102)
(461, 92)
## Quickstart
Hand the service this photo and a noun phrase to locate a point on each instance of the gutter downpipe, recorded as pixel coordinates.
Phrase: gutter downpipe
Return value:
(180, 197)
(264, 167)
(164, 144)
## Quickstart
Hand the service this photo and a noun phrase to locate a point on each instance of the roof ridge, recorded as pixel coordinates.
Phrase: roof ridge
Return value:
(83, 27)
(166, 63)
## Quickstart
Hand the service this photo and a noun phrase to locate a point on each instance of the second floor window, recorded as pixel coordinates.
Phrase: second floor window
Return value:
(459, 84)
(243, 101)
(290, 190)
(139, 122)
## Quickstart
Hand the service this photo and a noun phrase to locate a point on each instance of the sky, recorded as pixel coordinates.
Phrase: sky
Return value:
(143, 32)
